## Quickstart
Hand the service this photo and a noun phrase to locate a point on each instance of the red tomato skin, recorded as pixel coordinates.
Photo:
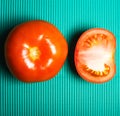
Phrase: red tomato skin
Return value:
(42, 37)
(85, 75)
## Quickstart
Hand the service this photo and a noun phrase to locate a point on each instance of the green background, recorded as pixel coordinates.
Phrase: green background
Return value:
(66, 94)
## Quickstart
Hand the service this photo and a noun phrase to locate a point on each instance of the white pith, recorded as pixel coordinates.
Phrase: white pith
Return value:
(96, 57)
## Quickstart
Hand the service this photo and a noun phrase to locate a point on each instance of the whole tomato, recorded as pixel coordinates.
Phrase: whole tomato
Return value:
(35, 51)
(94, 55)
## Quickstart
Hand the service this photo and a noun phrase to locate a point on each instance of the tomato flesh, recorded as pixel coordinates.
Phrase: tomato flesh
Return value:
(34, 51)
(94, 55)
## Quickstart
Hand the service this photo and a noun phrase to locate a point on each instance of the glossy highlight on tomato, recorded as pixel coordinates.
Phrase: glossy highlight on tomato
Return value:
(35, 51)
(94, 55)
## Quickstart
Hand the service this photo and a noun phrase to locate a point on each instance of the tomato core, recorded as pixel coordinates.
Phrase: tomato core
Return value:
(34, 53)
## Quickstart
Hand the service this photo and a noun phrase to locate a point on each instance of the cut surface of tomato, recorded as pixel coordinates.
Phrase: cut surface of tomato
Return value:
(35, 51)
(94, 55)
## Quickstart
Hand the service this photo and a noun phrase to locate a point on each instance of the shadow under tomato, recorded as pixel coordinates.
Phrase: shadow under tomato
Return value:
(3, 37)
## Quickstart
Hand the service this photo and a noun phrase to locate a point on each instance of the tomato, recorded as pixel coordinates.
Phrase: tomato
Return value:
(35, 51)
(94, 55)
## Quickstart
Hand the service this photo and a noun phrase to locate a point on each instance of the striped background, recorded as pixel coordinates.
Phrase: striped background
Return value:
(66, 94)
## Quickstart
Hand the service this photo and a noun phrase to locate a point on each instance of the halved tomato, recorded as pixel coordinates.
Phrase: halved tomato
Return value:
(35, 51)
(94, 55)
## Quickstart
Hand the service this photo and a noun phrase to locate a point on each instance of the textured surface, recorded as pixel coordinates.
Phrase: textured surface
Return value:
(66, 94)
